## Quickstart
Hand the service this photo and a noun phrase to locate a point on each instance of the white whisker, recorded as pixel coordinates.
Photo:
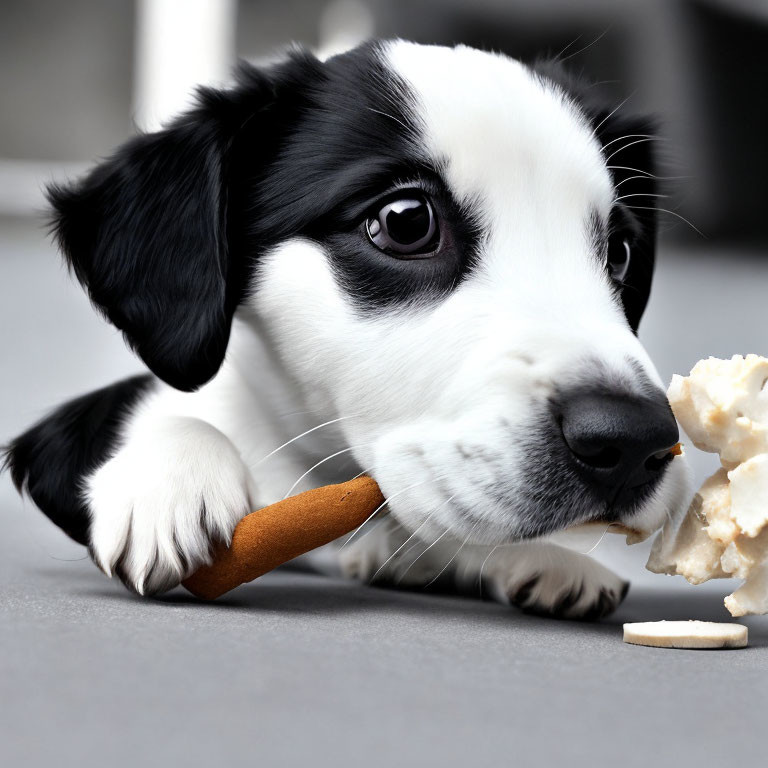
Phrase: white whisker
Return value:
(630, 136)
(303, 434)
(631, 144)
(630, 178)
(575, 40)
(585, 48)
(666, 210)
(383, 504)
(455, 554)
(408, 552)
(370, 529)
(601, 82)
(611, 114)
(322, 461)
(638, 194)
(482, 567)
(391, 117)
(389, 559)
(636, 170)
(599, 541)
(413, 562)
(648, 177)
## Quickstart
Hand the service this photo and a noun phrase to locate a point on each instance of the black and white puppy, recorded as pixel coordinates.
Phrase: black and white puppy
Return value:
(424, 263)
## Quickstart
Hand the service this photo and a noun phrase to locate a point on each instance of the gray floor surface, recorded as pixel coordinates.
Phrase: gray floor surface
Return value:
(301, 669)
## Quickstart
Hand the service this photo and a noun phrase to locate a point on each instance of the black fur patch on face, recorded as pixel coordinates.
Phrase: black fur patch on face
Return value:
(630, 159)
(166, 234)
(152, 234)
(50, 459)
(355, 143)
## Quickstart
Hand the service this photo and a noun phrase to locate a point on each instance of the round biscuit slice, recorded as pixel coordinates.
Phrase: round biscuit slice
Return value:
(686, 634)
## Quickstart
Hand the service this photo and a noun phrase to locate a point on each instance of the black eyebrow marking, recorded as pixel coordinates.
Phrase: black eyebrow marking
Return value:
(348, 201)
(353, 137)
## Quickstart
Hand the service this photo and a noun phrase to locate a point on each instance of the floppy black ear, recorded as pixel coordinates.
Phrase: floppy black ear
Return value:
(630, 152)
(631, 155)
(149, 234)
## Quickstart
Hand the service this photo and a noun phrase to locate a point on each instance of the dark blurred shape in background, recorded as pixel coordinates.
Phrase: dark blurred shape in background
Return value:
(77, 78)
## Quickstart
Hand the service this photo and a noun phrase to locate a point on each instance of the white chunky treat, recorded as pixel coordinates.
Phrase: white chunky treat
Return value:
(690, 550)
(723, 406)
(686, 634)
(752, 596)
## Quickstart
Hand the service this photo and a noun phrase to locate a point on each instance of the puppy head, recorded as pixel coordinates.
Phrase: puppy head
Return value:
(434, 242)
(473, 313)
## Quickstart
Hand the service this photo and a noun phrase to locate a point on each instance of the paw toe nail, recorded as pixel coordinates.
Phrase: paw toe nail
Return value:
(624, 590)
(104, 568)
(567, 602)
(524, 592)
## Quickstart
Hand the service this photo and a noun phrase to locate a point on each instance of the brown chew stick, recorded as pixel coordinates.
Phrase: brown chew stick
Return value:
(278, 533)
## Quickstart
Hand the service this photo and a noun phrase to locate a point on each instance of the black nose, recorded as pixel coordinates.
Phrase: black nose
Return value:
(619, 442)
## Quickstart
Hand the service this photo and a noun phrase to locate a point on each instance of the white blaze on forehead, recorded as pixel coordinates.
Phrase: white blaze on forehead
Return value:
(525, 159)
(498, 128)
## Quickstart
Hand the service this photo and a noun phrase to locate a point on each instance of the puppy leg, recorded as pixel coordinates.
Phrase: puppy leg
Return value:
(388, 555)
(535, 576)
(542, 578)
(175, 485)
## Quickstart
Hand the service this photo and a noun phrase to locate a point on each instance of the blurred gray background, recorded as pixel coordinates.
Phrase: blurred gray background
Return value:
(71, 80)
(304, 669)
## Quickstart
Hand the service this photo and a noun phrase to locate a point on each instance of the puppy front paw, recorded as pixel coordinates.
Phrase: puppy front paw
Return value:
(551, 581)
(159, 504)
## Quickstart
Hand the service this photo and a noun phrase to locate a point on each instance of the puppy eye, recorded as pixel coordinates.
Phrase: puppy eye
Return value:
(619, 257)
(406, 226)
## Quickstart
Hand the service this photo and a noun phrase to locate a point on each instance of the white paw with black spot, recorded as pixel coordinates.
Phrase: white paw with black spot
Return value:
(562, 585)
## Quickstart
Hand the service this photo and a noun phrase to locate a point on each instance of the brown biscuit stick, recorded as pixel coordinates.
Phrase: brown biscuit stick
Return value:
(278, 533)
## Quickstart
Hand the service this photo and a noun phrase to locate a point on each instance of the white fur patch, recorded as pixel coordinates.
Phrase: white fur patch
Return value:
(175, 485)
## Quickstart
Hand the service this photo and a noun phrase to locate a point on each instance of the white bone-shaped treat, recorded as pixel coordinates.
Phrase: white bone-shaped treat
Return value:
(723, 407)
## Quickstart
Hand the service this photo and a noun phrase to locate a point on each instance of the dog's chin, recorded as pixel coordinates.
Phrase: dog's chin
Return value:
(477, 519)
(474, 515)
(638, 521)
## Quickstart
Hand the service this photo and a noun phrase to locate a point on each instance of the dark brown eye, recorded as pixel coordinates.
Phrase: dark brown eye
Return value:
(406, 227)
(619, 258)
